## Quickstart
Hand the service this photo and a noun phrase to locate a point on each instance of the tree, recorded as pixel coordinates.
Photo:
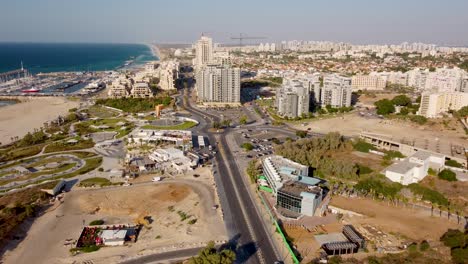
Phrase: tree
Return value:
(210, 255)
(247, 146)
(301, 133)
(243, 120)
(447, 175)
(453, 163)
(401, 100)
(463, 112)
(216, 125)
(384, 107)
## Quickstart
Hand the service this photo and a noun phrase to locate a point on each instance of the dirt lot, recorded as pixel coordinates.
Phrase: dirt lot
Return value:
(413, 224)
(46, 238)
(434, 135)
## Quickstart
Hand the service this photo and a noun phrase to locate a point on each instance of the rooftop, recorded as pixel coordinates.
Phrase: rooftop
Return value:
(402, 166)
(423, 155)
(296, 188)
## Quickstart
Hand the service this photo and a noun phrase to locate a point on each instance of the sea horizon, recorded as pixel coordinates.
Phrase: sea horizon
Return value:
(44, 57)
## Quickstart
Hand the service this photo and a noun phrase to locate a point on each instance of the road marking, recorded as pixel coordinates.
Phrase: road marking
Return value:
(247, 220)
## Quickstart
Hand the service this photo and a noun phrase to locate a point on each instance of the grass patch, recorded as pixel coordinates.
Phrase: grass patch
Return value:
(96, 222)
(183, 126)
(14, 153)
(64, 146)
(135, 105)
(95, 181)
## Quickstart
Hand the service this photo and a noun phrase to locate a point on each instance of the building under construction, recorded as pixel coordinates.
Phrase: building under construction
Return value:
(354, 242)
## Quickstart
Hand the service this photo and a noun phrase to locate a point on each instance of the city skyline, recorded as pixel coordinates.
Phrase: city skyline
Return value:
(359, 22)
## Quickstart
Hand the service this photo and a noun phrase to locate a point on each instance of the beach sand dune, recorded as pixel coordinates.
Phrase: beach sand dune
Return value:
(31, 113)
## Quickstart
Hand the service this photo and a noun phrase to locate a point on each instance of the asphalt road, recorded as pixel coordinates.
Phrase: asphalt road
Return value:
(243, 221)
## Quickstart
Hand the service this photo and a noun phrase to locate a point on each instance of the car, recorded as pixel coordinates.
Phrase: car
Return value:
(156, 179)
(126, 184)
(214, 207)
(196, 175)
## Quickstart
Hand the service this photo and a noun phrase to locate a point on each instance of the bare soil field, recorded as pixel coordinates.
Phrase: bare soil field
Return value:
(163, 203)
(411, 223)
(433, 136)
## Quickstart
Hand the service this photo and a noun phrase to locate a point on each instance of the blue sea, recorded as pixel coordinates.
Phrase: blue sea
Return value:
(53, 57)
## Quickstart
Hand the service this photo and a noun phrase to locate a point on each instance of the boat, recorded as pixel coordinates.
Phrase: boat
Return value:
(31, 90)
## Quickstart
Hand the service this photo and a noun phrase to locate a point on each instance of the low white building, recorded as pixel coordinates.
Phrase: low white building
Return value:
(414, 168)
(113, 237)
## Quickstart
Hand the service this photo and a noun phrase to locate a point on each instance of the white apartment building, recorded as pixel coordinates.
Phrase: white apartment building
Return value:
(368, 82)
(434, 104)
(203, 51)
(168, 74)
(336, 91)
(414, 168)
(445, 80)
(292, 99)
(218, 84)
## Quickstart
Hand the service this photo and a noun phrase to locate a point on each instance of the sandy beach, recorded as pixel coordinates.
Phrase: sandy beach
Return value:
(21, 118)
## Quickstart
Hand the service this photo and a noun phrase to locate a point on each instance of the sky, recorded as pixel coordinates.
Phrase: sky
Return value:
(183, 21)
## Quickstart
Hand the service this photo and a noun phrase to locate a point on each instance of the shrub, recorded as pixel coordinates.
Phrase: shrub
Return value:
(247, 146)
(301, 133)
(453, 163)
(96, 222)
(454, 238)
(428, 194)
(363, 169)
(447, 175)
(363, 146)
(193, 221)
(424, 245)
(418, 119)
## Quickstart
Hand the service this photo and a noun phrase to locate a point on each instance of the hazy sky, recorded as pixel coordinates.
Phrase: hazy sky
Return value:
(357, 21)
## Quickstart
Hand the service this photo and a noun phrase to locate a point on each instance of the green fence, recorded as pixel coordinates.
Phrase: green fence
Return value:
(278, 228)
(266, 189)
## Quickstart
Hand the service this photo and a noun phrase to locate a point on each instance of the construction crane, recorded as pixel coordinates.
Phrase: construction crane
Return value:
(242, 37)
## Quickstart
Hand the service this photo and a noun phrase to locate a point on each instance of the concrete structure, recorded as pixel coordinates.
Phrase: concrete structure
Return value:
(414, 168)
(175, 159)
(292, 99)
(336, 91)
(409, 146)
(218, 84)
(434, 104)
(177, 137)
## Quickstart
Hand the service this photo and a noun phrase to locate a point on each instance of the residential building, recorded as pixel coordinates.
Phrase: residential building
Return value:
(203, 51)
(218, 84)
(336, 91)
(141, 89)
(434, 104)
(119, 88)
(368, 82)
(414, 168)
(292, 99)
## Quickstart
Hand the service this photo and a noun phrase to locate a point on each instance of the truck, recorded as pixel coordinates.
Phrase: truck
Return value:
(156, 179)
